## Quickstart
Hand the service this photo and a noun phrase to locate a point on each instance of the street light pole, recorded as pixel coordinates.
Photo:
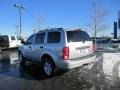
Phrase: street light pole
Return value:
(119, 22)
(17, 30)
(20, 23)
(20, 7)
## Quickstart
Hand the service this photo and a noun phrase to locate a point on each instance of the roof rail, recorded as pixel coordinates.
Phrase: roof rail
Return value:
(43, 30)
(50, 29)
(56, 28)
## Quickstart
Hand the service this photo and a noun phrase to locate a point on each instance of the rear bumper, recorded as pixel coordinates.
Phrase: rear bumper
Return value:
(69, 64)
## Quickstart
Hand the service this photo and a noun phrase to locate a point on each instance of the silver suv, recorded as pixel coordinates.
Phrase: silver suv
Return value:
(58, 48)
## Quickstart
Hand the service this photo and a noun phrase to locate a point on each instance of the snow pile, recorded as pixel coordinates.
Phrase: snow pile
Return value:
(110, 63)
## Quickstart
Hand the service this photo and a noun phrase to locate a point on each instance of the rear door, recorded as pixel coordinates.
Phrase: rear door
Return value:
(13, 41)
(38, 46)
(79, 44)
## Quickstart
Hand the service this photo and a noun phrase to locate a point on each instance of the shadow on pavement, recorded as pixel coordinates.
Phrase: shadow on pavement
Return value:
(9, 66)
(32, 71)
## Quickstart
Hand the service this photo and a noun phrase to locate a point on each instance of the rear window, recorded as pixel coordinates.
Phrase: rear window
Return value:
(77, 36)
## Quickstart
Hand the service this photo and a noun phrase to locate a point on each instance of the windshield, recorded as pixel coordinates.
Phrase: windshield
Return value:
(76, 36)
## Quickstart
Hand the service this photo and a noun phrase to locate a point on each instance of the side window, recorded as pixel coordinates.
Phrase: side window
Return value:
(39, 39)
(30, 39)
(12, 38)
(53, 37)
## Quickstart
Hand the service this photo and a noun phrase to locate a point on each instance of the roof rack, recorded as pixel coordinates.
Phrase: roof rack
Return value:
(50, 29)
(43, 30)
(56, 28)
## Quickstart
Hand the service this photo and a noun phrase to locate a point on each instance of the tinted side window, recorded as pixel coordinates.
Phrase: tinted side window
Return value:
(30, 39)
(77, 36)
(53, 37)
(39, 39)
(112, 41)
(12, 38)
(4, 39)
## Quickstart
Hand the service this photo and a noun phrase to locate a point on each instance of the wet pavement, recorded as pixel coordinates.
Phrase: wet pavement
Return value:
(89, 77)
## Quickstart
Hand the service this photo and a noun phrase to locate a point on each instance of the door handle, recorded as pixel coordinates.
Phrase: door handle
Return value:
(41, 46)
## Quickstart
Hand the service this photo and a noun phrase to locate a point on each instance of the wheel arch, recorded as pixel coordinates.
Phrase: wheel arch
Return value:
(19, 51)
(48, 56)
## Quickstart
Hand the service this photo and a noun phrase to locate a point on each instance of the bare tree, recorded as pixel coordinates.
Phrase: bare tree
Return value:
(38, 23)
(96, 23)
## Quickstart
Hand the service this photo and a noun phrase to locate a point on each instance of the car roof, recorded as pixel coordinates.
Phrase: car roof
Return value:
(57, 29)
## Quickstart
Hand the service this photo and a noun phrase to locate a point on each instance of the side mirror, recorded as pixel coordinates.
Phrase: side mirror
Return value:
(27, 43)
(23, 42)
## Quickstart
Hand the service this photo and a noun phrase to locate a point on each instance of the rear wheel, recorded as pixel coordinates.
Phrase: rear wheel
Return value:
(21, 59)
(47, 67)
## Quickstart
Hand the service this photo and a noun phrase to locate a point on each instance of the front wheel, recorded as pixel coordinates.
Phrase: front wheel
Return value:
(47, 67)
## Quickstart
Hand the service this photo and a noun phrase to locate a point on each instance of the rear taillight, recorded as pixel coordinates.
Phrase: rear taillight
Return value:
(65, 53)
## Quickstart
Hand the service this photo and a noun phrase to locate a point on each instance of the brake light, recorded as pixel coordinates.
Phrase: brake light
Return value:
(77, 29)
(65, 53)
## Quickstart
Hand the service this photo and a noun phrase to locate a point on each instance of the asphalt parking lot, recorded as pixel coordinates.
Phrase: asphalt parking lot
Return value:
(88, 77)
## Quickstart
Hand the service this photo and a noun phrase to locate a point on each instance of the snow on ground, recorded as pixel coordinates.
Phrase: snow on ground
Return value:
(110, 61)
(105, 72)
(107, 63)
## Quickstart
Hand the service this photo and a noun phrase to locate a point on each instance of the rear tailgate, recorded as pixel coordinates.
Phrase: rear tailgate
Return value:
(79, 44)
(79, 49)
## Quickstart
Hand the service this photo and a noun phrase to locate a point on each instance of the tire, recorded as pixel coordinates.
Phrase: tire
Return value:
(47, 67)
(21, 59)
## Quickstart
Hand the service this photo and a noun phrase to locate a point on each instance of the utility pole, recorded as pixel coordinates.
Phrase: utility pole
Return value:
(119, 22)
(17, 30)
(20, 7)
(115, 30)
